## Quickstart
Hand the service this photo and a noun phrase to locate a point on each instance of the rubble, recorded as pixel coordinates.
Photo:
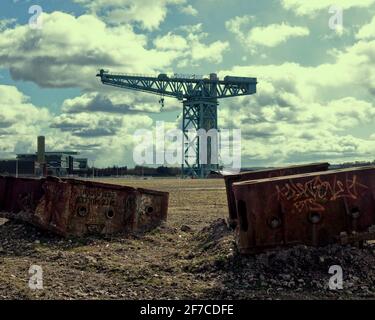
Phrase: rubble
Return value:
(206, 265)
(281, 273)
(168, 263)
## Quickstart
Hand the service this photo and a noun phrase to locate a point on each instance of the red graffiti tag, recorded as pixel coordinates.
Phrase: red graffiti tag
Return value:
(313, 194)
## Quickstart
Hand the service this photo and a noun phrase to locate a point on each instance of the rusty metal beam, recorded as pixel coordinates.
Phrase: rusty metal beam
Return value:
(77, 208)
(313, 209)
(262, 174)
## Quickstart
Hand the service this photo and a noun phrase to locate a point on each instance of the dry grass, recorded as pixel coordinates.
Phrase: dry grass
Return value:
(152, 266)
(168, 263)
(191, 202)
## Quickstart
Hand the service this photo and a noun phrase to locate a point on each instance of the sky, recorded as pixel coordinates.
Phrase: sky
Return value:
(316, 74)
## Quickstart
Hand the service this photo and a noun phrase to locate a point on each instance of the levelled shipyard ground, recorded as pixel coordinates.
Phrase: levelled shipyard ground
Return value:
(192, 256)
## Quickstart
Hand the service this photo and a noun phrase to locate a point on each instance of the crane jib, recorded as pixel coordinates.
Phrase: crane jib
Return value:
(183, 88)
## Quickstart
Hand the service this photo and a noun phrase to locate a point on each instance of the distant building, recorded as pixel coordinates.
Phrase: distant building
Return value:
(60, 163)
(82, 164)
(17, 167)
(56, 163)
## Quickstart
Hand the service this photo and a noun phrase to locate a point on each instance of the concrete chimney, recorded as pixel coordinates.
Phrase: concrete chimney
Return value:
(41, 154)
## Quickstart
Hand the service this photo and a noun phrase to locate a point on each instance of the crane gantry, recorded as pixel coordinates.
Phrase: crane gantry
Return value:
(199, 97)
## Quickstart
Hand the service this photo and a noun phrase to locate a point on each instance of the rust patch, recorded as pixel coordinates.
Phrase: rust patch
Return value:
(263, 174)
(314, 209)
(77, 208)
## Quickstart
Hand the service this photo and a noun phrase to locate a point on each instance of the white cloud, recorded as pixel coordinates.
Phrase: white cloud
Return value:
(20, 121)
(4, 23)
(116, 102)
(275, 34)
(149, 14)
(237, 24)
(192, 28)
(212, 52)
(367, 31)
(303, 7)
(171, 42)
(309, 111)
(267, 36)
(300, 113)
(189, 10)
(107, 138)
(191, 45)
(68, 51)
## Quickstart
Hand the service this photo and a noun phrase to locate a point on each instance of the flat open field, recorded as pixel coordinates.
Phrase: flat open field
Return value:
(198, 263)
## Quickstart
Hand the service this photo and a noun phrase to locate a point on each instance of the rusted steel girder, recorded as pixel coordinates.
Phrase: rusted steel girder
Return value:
(262, 174)
(77, 208)
(313, 209)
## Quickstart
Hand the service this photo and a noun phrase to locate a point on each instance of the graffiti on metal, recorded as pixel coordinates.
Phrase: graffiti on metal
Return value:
(97, 198)
(71, 207)
(313, 194)
(310, 208)
(263, 174)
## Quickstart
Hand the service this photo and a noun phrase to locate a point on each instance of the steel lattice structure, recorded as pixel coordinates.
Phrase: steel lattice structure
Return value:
(199, 97)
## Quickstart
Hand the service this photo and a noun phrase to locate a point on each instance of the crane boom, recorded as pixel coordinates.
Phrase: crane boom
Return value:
(182, 88)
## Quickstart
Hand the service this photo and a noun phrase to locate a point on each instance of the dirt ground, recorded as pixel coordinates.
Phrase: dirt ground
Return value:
(192, 256)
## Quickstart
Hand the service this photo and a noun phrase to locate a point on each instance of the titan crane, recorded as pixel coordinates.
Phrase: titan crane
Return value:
(199, 98)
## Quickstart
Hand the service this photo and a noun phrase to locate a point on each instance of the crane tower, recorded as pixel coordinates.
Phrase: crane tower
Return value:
(199, 97)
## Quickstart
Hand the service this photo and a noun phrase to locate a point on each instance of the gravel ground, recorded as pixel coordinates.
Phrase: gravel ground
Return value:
(192, 256)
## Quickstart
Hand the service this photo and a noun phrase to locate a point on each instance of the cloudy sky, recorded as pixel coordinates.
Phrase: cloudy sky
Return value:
(316, 90)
